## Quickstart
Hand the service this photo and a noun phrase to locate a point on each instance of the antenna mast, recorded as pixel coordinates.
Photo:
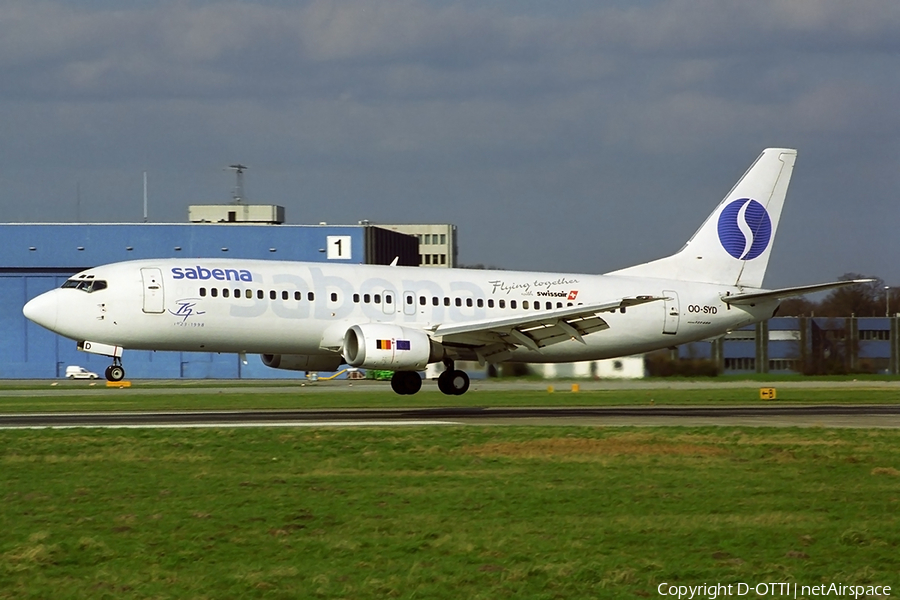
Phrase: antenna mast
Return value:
(237, 196)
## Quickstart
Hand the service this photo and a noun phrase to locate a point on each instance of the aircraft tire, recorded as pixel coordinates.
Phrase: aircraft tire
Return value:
(453, 382)
(406, 383)
(114, 373)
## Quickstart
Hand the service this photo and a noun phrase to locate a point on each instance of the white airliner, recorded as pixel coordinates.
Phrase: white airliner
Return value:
(316, 316)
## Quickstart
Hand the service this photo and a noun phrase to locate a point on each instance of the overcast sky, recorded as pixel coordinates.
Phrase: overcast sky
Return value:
(560, 136)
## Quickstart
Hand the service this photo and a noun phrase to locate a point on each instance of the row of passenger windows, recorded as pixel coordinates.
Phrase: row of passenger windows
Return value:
(378, 298)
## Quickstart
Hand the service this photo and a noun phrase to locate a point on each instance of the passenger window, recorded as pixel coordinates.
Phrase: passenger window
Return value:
(469, 302)
(480, 303)
(459, 301)
(388, 299)
(377, 298)
(503, 304)
(356, 298)
(310, 296)
(260, 294)
(559, 305)
(435, 301)
(549, 305)
(524, 303)
(272, 295)
(284, 295)
(333, 297)
(213, 292)
(203, 292)
(422, 300)
(367, 298)
(446, 301)
(512, 303)
(249, 293)
(298, 296)
(490, 303)
(225, 292)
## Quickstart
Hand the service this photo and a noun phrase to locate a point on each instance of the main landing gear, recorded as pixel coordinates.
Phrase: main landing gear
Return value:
(452, 381)
(115, 371)
(406, 383)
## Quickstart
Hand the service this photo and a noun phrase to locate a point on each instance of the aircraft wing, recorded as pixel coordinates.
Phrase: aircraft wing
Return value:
(493, 339)
(754, 297)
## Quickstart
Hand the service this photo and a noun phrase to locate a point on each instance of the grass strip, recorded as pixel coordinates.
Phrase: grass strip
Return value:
(450, 512)
(380, 396)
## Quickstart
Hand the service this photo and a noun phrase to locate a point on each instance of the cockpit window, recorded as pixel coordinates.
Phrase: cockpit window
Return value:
(85, 285)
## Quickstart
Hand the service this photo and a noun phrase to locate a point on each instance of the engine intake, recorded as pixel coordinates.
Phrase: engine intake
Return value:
(384, 346)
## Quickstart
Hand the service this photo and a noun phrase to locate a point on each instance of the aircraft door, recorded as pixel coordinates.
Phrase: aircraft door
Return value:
(673, 314)
(154, 299)
(409, 303)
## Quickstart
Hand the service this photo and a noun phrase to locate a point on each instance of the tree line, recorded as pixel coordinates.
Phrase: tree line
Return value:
(872, 299)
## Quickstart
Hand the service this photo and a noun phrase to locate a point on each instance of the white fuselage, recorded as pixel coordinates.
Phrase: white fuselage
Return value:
(271, 307)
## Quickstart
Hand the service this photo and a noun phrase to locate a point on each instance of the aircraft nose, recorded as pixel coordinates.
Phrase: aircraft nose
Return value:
(43, 310)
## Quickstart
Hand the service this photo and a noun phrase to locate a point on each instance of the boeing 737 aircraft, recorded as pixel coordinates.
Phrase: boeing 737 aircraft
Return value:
(315, 316)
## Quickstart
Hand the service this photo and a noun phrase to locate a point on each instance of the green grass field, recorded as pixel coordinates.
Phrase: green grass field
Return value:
(79, 396)
(442, 512)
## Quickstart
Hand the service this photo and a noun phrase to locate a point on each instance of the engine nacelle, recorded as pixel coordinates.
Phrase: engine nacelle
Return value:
(384, 346)
(303, 362)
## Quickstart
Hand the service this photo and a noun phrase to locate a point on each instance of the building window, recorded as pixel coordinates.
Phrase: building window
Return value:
(444, 238)
(744, 363)
(427, 259)
(443, 259)
(875, 334)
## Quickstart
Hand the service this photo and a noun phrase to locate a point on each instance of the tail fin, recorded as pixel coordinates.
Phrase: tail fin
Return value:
(732, 246)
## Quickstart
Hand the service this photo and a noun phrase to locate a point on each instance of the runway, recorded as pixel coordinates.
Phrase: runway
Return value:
(857, 416)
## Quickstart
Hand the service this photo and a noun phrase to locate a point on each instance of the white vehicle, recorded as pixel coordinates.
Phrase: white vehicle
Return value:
(317, 316)
(75, 372)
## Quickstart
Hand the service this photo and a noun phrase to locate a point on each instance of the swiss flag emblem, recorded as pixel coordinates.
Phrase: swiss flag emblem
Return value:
(572, 294)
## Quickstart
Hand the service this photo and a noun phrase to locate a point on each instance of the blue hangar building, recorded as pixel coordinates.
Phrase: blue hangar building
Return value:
(40, 257)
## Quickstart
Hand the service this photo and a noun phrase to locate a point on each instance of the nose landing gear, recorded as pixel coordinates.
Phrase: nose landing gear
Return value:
(115, 371)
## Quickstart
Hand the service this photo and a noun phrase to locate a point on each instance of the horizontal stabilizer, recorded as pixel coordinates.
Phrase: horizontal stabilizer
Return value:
(754, 297)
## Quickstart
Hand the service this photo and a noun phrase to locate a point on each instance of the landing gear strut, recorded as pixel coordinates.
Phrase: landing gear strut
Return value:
(452, 381)
(406, 383)
(115, 371)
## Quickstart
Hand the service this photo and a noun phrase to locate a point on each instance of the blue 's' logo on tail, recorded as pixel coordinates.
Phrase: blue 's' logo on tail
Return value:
(745, 229)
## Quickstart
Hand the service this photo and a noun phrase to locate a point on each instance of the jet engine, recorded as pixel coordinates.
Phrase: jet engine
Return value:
(384, 346)
(303, 362)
